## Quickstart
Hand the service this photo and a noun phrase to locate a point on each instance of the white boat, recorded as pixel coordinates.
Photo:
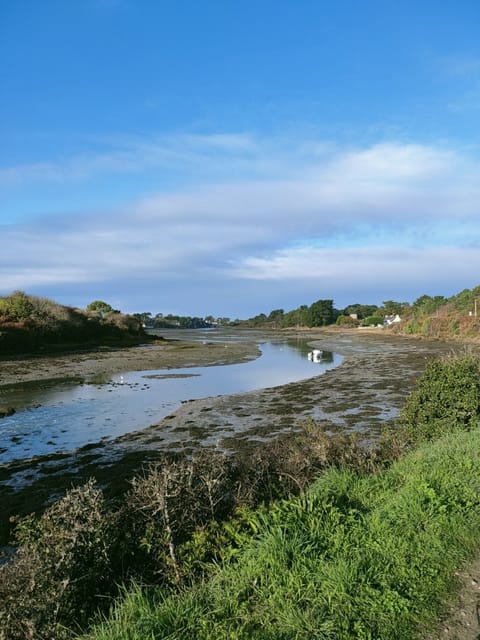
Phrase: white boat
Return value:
(315, 355)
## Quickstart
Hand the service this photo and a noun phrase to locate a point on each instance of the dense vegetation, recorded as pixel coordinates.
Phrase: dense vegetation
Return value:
(314, 536)
(439, 317)
(432, 316)
(31, 324)
(355, 557)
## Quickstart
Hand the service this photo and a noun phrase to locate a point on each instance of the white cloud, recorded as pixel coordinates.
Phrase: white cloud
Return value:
(364, 264)
(327, 218)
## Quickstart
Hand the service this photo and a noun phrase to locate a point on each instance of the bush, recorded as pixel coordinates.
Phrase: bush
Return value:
(446, 397)
(162, 531)
(347, 322)
(373, 321)
(61, 568)
(16, 307)
(357, 556)
(29, 323)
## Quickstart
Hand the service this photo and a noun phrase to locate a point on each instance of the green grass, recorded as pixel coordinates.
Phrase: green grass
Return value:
(358, 556)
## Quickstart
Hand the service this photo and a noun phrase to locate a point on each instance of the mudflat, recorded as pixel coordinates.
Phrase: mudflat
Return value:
(363, 393)
(163, 355)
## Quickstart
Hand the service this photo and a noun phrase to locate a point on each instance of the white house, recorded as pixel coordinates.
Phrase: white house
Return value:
(388, 320)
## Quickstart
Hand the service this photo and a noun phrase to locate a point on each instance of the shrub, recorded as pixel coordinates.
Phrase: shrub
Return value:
(60, 570)
(373, 321)
(164, 507)
(16, 307)
(29, 323)
(347, 322)
(357, 556)
(447, 396)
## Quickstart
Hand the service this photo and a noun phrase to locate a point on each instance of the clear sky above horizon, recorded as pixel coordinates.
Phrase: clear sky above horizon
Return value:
(230, 158)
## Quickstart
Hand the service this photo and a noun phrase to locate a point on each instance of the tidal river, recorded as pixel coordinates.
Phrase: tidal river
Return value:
(63, 416)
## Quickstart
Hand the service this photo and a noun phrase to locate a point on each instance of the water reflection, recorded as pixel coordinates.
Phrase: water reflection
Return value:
(54, 417)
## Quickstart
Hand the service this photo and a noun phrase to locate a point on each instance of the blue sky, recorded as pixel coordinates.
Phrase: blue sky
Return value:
(230, 158)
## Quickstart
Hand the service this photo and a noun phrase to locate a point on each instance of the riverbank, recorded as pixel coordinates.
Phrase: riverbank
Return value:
(361, 395)
(365, 392)
(360, 555)
(161, 355)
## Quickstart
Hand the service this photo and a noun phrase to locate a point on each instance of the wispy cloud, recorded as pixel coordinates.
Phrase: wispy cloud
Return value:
(379, 266)
(134, 154)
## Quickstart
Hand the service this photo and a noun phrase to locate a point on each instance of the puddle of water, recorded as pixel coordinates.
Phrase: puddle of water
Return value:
(61, 417)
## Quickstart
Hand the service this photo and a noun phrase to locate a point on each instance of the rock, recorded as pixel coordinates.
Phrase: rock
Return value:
(8, 411)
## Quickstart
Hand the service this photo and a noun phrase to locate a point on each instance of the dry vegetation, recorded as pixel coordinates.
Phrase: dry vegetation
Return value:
(32, 324)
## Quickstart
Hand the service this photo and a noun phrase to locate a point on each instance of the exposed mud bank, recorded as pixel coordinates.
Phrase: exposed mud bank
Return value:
(163, 355)
(366, 391)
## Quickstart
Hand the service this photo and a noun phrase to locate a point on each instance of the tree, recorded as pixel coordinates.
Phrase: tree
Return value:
(101, 307)
(428, 305)
(296, 317)
(347, 322)
(321, 313)
(276, 316)
(362, 310)
(391, 308)
(144, 318)
(464, 301)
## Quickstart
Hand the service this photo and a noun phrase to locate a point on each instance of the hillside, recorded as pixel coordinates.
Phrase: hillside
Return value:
(439, 317)
(29, 324)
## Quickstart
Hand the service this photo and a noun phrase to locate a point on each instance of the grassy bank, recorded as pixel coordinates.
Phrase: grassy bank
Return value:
(355, 557)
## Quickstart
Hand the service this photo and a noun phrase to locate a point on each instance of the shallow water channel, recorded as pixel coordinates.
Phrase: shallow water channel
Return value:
(62, 416)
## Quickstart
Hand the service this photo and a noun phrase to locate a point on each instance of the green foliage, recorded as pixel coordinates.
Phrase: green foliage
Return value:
(16, 307)
(171, 321)
(60, 570)
(321, 313)
(464, 300)
(391, 308)
(296, 317)
(446, 397)
(29, 323)
(318, 314)
(428, 305)
(362, 310)
(357, 556)
(347, 322)
(276, 317)
(442, 317)
(373, 321)
(99, 306)
(176, 519)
